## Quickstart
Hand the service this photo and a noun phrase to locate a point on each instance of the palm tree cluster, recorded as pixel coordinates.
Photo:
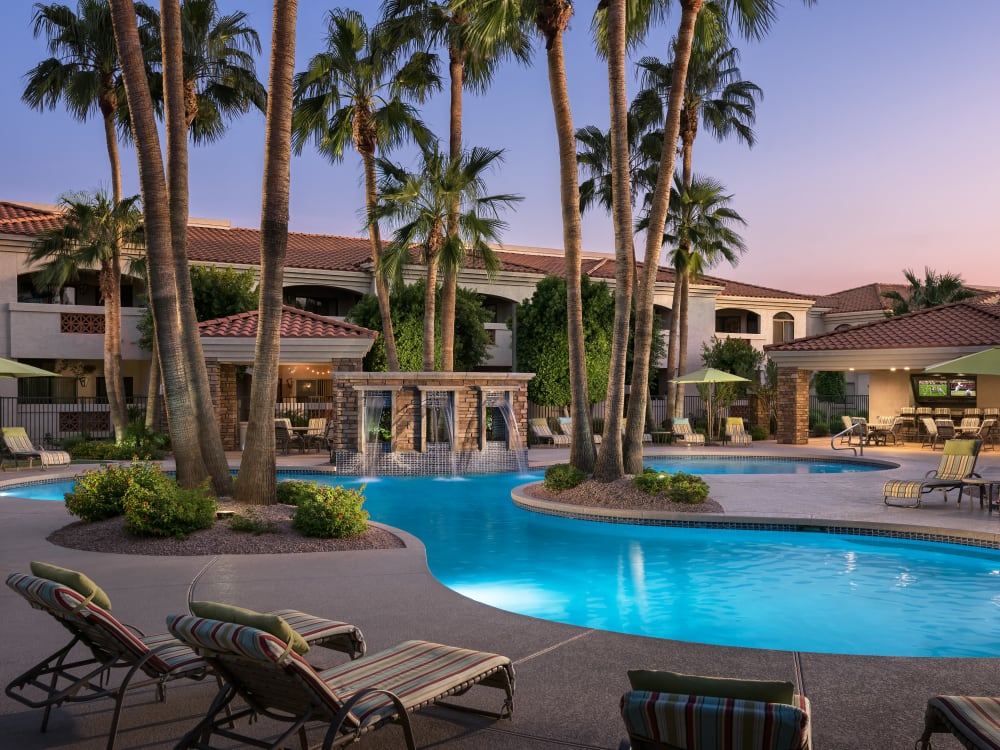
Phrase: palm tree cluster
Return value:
(933, 290)
(194, 68)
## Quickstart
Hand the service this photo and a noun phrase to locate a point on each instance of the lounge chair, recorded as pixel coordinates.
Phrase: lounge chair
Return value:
(682, 430)
(958, 462)
(19, 447)
(736, 432)
(540, 429)
(686, 712)
(80, 671)
(566, 428)
(975, 721)
(352, 699)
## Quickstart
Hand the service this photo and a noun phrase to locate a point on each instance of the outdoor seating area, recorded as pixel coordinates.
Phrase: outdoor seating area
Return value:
(958, 462)
(542, 433)
(18, 447)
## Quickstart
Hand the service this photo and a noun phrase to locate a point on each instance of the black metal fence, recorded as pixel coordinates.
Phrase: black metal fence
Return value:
(48, 421)
(827, 411)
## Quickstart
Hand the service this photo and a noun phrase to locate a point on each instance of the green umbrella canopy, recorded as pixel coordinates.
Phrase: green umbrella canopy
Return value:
(986, 362)
(710, 375)
(11, 369)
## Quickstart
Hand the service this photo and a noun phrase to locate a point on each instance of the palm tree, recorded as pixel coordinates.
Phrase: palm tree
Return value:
(475, 52)
(83, 70)
(421, 204)
(354, 94)
(181, 408)
(94, 233)
(713, 93)
(257, 472)
(933, 290)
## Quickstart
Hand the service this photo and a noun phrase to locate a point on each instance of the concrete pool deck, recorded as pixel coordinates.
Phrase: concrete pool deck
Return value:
(569, 679)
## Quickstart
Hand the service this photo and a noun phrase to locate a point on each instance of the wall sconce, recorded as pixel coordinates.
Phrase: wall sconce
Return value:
(82, 380)
(288, 382)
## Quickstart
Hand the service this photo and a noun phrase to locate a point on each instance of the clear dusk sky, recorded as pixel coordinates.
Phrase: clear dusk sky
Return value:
(878, 142)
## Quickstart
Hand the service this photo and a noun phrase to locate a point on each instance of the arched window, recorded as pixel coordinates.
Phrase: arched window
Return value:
(784, 327)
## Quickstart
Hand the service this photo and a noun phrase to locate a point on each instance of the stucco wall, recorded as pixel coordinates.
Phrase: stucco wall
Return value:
(887, 392)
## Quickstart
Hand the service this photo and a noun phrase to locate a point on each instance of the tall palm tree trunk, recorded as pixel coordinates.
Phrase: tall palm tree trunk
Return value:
(163, 289)
(209, 439)
(609, 464)
(111, 279)
(153, 389)
(449, 287)
(682, 336)
(257, 469)
(430, 311)
(674, 409)
(643, 340)
(381, 287)
(554, 17)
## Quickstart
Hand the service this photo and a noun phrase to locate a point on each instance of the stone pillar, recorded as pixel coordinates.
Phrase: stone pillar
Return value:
(792, 408)
(226, 408)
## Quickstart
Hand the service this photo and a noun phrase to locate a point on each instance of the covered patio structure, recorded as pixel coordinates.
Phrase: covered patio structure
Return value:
(312, 345)
(890, 350)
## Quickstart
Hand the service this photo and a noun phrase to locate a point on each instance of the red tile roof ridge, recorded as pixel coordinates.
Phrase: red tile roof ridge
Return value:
(245, 325)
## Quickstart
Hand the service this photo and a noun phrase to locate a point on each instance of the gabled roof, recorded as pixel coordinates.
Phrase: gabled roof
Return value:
(295, 323)
(739, 289)
(28, 219)
(974, 322)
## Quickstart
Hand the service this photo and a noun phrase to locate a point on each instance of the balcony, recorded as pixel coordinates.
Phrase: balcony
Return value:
(40, 331)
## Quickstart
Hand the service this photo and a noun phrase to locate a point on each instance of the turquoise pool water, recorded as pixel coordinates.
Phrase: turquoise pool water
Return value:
(759, 465)
(763, 589)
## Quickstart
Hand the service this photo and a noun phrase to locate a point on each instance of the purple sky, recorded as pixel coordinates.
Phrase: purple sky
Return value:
(876, 149)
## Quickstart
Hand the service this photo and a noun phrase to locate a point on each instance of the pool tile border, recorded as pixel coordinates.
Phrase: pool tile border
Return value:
(981, 540)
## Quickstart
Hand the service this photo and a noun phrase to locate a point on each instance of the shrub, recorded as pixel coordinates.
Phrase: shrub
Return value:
(294, 491)
(331, 512)
(817, 416)
(167, 509)
(108, 450)
(651, 481)
(687, 488)
(251, 523)
(559, 477)
(759, 432)
(100, 493)
(822, 429)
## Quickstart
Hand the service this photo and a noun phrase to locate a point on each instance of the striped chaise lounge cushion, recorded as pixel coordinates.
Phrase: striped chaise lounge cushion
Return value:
(692, 722)
(974, 721)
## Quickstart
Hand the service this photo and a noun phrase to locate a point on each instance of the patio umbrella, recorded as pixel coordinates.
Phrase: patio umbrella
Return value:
(986, 362)
(11, 369)
(710, 376)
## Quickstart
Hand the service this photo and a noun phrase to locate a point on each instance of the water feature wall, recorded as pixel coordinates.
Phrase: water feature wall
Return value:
(437, 423)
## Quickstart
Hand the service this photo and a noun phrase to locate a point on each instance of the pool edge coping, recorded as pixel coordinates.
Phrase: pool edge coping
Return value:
(983, 540)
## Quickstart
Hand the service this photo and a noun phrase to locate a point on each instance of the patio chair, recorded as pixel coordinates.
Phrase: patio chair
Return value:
(316, 433)
(958, 462)
(540, 429)
(284, 438)
(669, 711)
(968, 427)
(973, 412)
(849, 431)
(942, 412)
(931, 436)
(736, 432)
(682, 429)
(352, 698)
(975, 721)
(19, 447)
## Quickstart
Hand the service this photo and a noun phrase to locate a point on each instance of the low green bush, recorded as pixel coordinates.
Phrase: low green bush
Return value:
(687, 488)
(651, 481)
(331, 513)
(759, 432)
(108, 450)
(559, 477)
(294, 491)
(251, 523)
(100, 493)
(167, 509)
(822, 429)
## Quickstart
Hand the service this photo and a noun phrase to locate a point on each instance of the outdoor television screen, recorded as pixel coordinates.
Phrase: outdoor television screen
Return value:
(962, 387)
(932, 388)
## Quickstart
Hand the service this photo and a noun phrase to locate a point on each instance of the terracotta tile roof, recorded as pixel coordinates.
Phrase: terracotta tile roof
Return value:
(739, 289)
(295, 323)
(26, 219)
(320, 251)
(862, 298)
(967, 323)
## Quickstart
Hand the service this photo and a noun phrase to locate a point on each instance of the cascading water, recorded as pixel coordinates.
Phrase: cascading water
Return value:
(502, 429)
(376, 403)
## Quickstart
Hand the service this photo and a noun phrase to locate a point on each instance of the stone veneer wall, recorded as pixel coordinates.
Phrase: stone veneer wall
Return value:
(407, 389)
(792, 410)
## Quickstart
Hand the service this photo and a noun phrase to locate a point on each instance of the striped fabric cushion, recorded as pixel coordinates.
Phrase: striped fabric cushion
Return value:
(227, 637)
(902, 488)
(418, 672)
(101, 626)
(975, 720)
(955, 467)
(54, 458)
(318, 631)
(690, 722)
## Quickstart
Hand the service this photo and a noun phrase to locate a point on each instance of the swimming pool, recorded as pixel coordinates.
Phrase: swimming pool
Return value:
(762, 589)
(761, 465)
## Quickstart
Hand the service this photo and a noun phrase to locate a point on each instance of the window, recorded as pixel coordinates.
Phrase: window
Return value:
(784, 328)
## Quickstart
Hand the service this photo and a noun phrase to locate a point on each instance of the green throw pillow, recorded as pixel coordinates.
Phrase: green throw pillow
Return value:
(268, 623)
(72, 579)
(716, 687)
